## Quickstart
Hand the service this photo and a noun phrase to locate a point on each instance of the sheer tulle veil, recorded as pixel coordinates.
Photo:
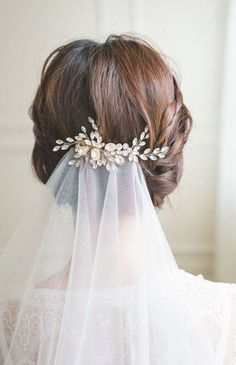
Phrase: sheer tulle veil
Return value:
(88, 278)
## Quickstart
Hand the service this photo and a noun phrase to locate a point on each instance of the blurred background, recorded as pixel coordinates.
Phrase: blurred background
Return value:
(199, 39)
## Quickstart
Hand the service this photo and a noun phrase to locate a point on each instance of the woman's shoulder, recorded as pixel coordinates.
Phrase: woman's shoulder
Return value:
(203, 289)
(200, 279)
(217, 303)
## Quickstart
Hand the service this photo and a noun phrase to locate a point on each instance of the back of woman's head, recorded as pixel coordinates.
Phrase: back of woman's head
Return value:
(125, 84)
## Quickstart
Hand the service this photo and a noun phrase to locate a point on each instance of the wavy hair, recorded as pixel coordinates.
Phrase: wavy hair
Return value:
(124, 83)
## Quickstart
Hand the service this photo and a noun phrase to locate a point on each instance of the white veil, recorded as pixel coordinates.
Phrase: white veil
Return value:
(89, 279)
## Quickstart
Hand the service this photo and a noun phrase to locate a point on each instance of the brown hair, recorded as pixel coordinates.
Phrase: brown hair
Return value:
(124, 83)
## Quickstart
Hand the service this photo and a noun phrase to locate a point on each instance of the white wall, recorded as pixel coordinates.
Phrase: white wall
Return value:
(225, 257)
(190, 32)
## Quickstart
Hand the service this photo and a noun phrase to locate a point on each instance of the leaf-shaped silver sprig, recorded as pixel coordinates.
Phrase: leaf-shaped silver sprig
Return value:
(153, 155)
(94, 125)
(83, 135)
(139, 142)
(147, 153)
(63, 145)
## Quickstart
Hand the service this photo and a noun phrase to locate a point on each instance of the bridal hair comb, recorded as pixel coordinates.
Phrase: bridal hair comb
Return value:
(111, 155)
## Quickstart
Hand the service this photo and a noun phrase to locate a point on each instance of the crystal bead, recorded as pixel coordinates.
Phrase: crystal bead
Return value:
(110, 147)
(119, 160)
(95, 154)
(81, 150)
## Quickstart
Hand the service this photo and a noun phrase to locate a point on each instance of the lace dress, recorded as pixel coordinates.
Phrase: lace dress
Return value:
(217, 302)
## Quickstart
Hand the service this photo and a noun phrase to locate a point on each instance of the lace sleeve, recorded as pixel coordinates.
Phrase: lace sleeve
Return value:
(217, 302)
(231, 345)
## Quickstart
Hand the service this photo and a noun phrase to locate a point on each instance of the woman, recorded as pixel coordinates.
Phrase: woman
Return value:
(89, 278)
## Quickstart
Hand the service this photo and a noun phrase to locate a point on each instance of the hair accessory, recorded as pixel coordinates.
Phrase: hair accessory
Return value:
(111, 155)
